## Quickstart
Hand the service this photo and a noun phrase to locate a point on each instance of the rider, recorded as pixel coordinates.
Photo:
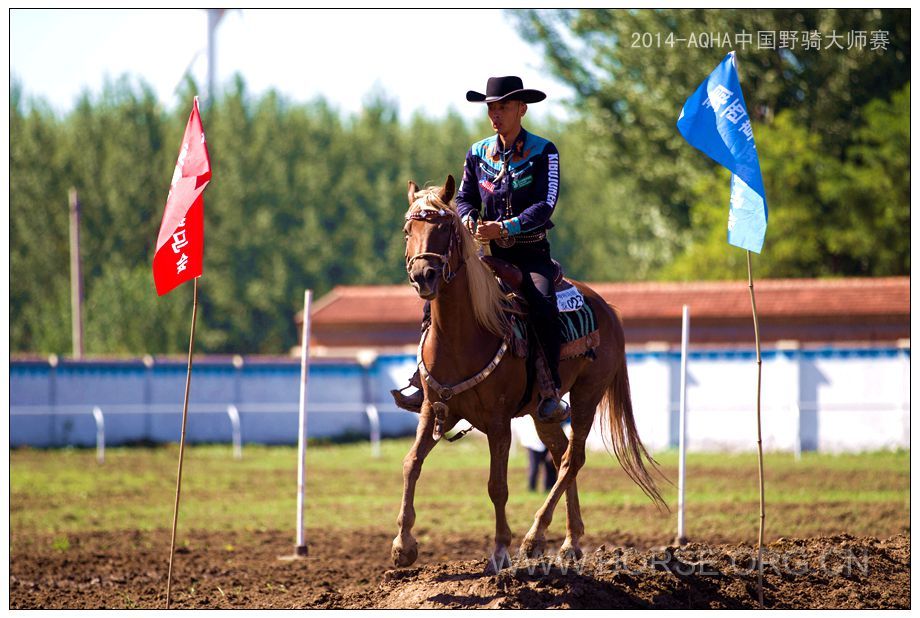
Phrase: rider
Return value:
(507, 196)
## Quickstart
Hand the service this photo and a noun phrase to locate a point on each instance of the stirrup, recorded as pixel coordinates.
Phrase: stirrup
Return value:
(552, 410)
(412, 403)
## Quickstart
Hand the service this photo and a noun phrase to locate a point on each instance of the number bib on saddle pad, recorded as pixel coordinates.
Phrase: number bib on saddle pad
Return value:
(570, 299)
(577, 325)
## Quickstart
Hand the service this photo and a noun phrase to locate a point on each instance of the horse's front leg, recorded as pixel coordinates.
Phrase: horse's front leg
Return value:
(499, 446)
(405, 547)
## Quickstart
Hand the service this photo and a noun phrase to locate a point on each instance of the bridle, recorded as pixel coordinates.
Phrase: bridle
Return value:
(432, 216)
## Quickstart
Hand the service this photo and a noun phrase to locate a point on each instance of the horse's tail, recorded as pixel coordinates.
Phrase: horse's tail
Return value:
(623, 436)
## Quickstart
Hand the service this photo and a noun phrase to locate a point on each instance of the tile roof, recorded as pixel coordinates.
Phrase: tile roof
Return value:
(776, 298)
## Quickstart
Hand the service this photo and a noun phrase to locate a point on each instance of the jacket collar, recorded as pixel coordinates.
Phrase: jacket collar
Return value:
(517, 148)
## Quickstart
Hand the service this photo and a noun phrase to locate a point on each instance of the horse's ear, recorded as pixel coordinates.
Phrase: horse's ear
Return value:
(448, 191)
(413, 188)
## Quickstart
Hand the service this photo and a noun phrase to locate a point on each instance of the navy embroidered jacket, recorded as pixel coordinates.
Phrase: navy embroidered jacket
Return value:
(524, 196)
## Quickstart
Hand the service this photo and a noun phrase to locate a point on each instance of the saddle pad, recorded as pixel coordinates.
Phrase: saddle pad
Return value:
(569, 299)
(577, 323)
(577, 329)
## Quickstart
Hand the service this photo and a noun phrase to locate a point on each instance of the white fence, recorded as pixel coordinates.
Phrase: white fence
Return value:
(829, 399)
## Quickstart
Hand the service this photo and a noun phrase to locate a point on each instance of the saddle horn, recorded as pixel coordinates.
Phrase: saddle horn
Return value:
(448, 191)
(413, 188)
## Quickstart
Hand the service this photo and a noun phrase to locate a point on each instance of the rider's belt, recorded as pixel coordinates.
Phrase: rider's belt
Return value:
(529, 238)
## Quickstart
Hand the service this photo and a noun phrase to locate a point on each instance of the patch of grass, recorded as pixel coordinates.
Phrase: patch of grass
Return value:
(60, 543)
(62, 491)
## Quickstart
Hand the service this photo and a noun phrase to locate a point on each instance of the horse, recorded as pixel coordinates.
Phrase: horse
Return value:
(469, 331)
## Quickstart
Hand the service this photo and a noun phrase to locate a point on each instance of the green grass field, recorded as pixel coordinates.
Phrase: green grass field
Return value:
(61, 492)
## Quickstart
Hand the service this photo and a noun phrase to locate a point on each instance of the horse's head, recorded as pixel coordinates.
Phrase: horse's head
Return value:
(433, 243)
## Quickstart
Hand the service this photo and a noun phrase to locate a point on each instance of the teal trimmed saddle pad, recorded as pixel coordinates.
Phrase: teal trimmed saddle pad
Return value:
(577, 324)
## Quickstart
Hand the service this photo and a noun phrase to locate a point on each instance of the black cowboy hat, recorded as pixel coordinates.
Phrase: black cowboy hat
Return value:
(508, 87)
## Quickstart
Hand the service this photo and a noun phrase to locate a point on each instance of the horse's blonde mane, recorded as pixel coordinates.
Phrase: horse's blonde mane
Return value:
(486, 297)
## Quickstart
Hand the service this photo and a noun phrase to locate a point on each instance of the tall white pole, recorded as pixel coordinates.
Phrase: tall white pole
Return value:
(300, 548)
(681, 472)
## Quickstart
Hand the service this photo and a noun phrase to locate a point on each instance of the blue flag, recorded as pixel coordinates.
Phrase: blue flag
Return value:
(715, 120)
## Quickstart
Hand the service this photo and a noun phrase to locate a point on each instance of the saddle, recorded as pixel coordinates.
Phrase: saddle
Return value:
(577, 324)
(513, 277)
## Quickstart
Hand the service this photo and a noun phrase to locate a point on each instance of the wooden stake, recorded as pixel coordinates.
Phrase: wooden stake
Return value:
(759, 439)
(76, 276)
(188, 381)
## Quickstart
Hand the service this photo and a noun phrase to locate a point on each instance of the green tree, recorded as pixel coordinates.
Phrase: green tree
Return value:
(39, 237)
(629, 89)
(826, 216)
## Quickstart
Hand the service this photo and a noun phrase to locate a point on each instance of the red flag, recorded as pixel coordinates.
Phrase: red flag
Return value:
(180, 244)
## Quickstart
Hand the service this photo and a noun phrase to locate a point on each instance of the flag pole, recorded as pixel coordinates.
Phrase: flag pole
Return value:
(759, 438)
(188, 381)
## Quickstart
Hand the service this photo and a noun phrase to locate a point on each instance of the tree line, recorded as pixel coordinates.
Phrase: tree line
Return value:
(305, 197)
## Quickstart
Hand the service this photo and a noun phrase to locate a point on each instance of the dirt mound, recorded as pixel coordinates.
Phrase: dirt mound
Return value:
(835, 572)
(353, 570)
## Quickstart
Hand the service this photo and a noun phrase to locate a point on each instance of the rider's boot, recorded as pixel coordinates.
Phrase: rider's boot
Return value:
(551, 409)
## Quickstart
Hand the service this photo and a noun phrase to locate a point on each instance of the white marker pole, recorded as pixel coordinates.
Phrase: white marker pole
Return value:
(234, 416)
(300, 549)
(681, 472)
(100, 435)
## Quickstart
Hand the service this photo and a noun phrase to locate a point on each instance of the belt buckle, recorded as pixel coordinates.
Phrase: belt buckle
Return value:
(505, 243)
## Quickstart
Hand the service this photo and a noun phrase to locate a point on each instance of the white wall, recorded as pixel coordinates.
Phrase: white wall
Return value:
(829, 399)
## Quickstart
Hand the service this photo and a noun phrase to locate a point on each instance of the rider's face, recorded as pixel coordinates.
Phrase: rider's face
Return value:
(506, 116)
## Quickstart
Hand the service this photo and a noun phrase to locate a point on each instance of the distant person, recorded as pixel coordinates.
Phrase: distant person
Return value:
(538, 455)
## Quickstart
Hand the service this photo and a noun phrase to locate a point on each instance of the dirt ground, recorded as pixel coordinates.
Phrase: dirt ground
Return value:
(353, 570)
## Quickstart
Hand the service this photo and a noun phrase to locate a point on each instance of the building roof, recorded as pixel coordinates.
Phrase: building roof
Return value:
(793, 298)
(806, 310)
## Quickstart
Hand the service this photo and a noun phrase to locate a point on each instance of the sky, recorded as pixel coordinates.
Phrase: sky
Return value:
(425, 60)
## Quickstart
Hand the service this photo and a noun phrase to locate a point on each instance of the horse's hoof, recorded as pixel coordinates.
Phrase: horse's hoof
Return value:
(498, 561)
(570, 553)
(404, 555)
(533, 547)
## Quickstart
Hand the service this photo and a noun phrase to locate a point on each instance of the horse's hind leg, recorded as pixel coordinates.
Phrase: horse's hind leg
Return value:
(405, 547)
(555, 439)
(574, 458)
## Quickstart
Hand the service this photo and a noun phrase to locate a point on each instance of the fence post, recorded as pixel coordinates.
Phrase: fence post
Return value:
(366, 358)
(53, 397)
(374, 418)
(234, 415)
(100, 435)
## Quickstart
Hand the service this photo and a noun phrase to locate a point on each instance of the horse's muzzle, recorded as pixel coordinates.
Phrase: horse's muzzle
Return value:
(425, 280)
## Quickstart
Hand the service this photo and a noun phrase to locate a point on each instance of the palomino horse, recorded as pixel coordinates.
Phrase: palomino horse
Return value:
(468, 325)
